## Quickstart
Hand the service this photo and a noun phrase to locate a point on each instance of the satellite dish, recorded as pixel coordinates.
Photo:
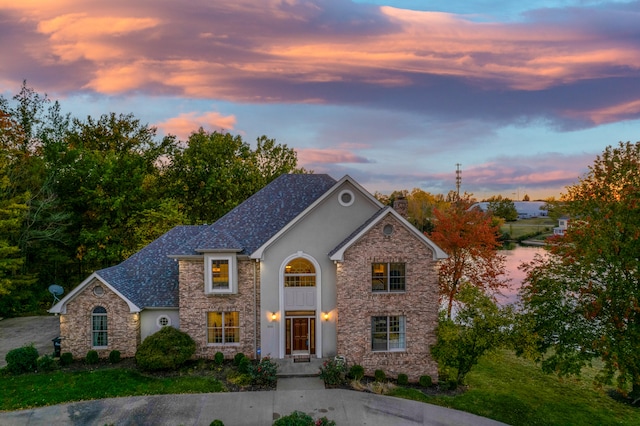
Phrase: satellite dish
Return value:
(56, 290)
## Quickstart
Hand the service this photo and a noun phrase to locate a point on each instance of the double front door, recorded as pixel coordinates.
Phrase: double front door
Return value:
(300, 335)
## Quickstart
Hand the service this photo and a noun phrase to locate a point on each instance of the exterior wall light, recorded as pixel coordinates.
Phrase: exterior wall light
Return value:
(326, 316)
(274, 316)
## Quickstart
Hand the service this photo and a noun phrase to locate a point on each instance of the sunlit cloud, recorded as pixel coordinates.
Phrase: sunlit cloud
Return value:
(184, 124)
(310, 157)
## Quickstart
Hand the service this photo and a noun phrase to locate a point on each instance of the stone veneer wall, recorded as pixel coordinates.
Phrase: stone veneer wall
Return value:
(356, 302)
(123, 326)
(194, 305)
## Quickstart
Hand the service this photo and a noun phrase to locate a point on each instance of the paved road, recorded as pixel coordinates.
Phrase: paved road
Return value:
(17, 332)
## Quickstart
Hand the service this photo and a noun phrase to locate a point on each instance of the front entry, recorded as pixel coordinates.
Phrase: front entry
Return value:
(300, 335)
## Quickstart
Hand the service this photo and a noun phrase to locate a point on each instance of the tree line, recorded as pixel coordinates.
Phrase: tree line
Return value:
(81, 194)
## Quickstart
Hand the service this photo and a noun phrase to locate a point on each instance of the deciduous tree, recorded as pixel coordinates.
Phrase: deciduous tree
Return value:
(470, 238)
(477, 328)
(217, 171)
(503, 207)
(583, 299)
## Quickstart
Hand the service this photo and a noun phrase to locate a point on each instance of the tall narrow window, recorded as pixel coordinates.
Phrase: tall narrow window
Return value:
(220, 274)
(223, 327)
(388, 333)
(300, 272)
(99, 327)
(387, 277)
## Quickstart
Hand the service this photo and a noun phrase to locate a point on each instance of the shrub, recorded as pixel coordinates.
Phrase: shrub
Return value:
(218, 358)
(245, 364)
(425, 381)
(452, 384)
(22, 360)
(114, 356)
(167, 349)
(92, 357)
(46, 363)
(66, 358)
(379, 376)
(298, 418)
(216, 423)
(356, 372)
(332, 372)
(264, 372)
(403, 379)
(238, 358)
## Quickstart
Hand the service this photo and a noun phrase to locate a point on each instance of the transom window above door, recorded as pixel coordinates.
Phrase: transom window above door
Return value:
(300, 272)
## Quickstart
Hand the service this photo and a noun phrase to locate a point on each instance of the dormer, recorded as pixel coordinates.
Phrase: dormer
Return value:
(220, 273)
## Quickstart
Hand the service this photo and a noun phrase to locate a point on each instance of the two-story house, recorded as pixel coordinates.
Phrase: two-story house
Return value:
(307, 265)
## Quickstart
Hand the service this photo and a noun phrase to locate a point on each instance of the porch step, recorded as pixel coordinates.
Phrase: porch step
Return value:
(291, 368)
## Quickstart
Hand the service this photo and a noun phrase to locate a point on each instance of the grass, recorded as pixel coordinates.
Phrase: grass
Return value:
(40, 389)
(531, 226)
(515, 391)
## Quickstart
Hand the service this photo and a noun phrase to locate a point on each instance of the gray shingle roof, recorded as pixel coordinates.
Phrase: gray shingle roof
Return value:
(261, 216)
(149, 278)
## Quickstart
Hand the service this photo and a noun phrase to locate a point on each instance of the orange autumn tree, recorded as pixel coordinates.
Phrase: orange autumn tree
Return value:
(470, 238)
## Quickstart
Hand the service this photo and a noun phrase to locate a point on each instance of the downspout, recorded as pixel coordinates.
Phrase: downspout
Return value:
(256, 317)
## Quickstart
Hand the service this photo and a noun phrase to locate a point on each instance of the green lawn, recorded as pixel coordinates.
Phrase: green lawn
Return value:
(35, 390)
(529, 226)
(515, 391)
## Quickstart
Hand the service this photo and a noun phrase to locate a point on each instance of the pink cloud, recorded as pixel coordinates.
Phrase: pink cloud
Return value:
(312, 156)
(286, 40)
(184, 124)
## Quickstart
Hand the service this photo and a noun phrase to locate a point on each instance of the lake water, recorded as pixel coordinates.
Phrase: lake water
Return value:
(516, 257)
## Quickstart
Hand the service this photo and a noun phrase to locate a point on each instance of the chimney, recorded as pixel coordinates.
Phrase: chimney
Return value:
(401, 205)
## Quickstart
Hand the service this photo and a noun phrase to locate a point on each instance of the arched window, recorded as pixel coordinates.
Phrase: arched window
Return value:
(99, 327)
(300, 272)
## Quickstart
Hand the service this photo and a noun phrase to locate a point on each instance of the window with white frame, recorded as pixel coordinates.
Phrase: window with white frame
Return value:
(223, 327)
(220, 274)
(387, 277)
(99, 327)
(388, 333)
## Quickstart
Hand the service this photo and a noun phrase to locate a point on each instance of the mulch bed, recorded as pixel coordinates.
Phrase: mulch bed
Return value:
(207, 368)
(199, 368)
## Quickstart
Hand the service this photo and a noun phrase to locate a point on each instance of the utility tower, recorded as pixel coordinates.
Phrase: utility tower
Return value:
(458, 179)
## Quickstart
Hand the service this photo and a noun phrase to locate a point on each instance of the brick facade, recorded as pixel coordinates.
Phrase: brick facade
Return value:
(357, 304)
(123, 327)
(194, 305)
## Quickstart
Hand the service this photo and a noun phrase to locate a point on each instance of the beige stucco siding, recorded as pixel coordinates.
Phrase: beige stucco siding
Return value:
(357, 304)
(314, 236)
(149, 320)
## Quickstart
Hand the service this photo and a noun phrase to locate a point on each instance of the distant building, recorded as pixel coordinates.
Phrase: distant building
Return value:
(563, 224)
(525, 209)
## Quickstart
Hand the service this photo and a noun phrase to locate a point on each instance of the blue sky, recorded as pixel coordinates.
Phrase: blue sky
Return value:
(395, 93)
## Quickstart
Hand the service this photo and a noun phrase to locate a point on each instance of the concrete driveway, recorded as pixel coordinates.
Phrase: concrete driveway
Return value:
(17, 332)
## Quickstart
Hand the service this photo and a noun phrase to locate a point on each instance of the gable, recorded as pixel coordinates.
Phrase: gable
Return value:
(330, 217)
(337, 254)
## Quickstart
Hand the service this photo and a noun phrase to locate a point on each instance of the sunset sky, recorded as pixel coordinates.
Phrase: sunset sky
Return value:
(394, 93)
